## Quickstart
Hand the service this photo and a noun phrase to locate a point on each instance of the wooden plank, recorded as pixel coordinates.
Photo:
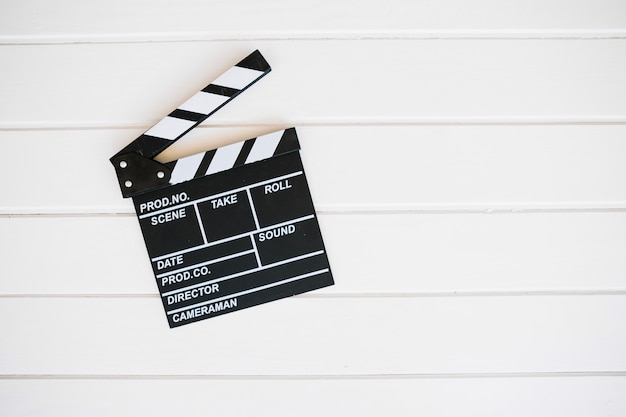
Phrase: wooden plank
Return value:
(319, 81)
(50, 19)
(416, 116)
(305, 336)
(349, 167)
(369, 254)
(514, 397)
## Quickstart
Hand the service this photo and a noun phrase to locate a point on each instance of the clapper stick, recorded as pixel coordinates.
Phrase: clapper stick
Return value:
(135, 167)
(229, 228)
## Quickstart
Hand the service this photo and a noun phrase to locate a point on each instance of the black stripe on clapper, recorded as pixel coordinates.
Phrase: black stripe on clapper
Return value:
(221, 90)
(288, 143)
(187, 115)
(204, 164)
(255, 61)
(146, 145)
(245, 151)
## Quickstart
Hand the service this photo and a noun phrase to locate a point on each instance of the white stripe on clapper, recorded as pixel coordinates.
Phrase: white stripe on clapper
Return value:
(203, 103)
(224, 158)
(264, 146)
(186, 168)
(170, 128)
(238, 78)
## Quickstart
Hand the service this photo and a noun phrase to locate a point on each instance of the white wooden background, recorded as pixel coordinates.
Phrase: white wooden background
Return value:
(466, 159)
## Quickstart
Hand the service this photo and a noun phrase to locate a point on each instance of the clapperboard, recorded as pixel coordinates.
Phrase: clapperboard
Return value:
(230, 228)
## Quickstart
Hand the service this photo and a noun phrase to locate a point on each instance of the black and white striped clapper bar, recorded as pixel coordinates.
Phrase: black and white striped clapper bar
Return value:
(230, 228)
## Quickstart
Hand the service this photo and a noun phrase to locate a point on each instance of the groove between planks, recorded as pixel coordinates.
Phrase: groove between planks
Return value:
(582, 374)
(554, 120)
(364, 295)
(617, 207)
(314, 35)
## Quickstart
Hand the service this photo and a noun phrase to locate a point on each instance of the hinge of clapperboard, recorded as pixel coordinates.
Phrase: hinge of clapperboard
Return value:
(138, 172)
